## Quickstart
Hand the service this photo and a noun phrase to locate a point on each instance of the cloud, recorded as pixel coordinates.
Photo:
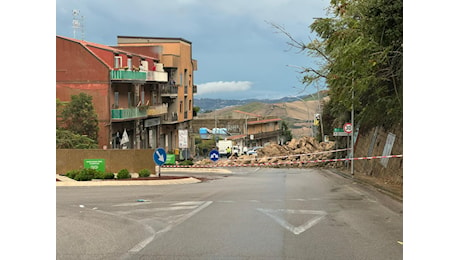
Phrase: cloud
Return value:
(223, 86)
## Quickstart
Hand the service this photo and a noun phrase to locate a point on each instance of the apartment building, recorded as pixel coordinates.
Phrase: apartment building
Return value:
(176, 56)
(131, 92)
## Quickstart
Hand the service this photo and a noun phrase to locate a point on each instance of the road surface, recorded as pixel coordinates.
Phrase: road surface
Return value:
(252, 213)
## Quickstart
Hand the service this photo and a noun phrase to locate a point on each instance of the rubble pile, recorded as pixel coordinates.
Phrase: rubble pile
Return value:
(303, 149)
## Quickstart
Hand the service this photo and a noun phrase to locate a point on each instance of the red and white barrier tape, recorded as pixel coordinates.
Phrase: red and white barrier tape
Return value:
(302, 154)
(282, 163)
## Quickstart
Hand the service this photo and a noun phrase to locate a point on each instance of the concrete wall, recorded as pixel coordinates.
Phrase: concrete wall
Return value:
(365, 146)
(115, 160)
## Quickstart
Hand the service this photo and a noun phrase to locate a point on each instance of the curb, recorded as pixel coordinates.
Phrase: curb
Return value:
(66, 182)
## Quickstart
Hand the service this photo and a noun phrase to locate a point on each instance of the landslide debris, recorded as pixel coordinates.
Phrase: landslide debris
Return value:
(297, 150)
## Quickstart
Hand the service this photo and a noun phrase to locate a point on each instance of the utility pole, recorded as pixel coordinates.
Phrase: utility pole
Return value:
(352, 118)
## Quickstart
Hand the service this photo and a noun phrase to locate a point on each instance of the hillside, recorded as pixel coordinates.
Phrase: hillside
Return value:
(295, 113)
(211, 104)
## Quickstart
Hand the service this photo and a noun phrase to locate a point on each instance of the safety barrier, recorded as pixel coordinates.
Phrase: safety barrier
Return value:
(233, 164)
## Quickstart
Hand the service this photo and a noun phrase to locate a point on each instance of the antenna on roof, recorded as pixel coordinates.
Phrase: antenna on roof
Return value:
(78, 24)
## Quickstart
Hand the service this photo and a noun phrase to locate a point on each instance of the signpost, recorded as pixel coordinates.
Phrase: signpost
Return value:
(340, 132)
(348, 128)
(214, 155)
(159, 157)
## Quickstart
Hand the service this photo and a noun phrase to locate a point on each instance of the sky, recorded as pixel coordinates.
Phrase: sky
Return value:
(240, 54)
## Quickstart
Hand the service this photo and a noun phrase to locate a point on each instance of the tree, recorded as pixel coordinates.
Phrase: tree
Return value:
(196, 110)
(65, 139)
(79, 116)
(360, 54)
(285, 132)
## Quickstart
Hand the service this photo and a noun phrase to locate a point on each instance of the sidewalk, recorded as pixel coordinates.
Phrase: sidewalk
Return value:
(66, 181)
(391, 190)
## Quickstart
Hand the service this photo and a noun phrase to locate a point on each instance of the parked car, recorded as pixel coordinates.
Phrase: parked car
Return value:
(253, 150)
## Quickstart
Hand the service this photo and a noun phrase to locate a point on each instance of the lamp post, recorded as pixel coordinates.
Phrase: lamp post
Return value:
(306, 105)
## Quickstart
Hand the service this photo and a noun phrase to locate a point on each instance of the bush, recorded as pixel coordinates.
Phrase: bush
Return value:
(123, 174)
(186, 162)
(99, 175)
(71, 174)
(144, 173)
(86, 174)
(104, 175)
(109, 175)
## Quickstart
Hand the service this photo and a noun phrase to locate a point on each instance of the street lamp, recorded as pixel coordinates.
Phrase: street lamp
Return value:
(306, 105)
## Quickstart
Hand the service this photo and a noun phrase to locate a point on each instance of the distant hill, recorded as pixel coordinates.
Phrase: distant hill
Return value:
(211, 104)
(298, 113)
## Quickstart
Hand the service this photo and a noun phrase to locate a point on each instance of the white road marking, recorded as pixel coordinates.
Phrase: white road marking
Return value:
(130, 204)
(149, 239)
(299, 229)
(188, 203)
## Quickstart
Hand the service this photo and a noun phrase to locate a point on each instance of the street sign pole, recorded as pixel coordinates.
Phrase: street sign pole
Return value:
(348, 128)
(159, 157)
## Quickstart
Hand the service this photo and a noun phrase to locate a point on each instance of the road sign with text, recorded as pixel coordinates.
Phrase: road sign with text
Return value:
(348, 128)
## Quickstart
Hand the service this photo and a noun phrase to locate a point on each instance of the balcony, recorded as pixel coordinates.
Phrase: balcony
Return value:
(157, 110)
(195, 89)
(127, 75)
(169, 90)
(170, 118)
(158, 76)
(128, 113)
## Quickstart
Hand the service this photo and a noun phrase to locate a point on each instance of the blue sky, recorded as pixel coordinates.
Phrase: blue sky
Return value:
(240, 55)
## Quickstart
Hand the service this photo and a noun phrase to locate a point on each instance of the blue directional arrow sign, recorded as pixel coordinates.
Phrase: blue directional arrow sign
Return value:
(214, 155)
(159, 156)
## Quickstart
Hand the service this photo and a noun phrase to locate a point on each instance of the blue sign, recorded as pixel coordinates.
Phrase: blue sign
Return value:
(159, 156)
(214, 155)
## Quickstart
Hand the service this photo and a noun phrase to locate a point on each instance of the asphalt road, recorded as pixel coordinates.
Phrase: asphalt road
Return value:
(252, 213)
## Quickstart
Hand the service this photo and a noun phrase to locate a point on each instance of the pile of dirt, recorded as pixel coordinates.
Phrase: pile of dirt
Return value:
(303, 149)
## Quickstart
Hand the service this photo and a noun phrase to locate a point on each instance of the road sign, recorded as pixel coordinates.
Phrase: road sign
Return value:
(214, 155)
(341, 134)
(159, 156)
(96, 164)
(348, 128)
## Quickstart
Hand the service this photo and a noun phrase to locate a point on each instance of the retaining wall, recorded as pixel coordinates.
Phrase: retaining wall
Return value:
(115, 160)
(373, 144)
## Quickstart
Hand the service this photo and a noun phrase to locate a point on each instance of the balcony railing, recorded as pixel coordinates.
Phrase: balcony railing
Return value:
(157, 110)
(127, 75)
(170, 117)
(128, 113)
(169, 90)
(158, 76)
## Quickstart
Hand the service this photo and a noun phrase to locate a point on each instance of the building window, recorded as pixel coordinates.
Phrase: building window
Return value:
(130, 99)
(180, 107)
(185, 76)
(118, 62)
(117, 94)
(130, 63)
